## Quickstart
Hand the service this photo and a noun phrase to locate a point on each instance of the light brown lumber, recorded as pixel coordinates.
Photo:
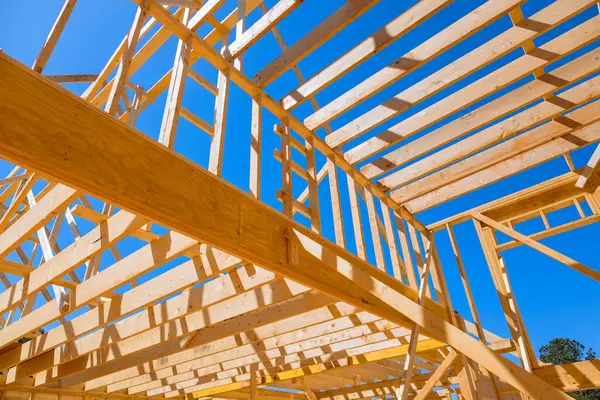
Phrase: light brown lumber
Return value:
(552, 231)
(287, 198)
(261, 27)
(170, 119)
(508, 158)
(312, 184)
(149, 48)
(436, 376)
(256, 147)
(253, 388)
(569, 262)
(457, 101)
(375, 43)
(465, 281)
(265, 232)
(404, 384)
(412, 279)
(202, 81)
(551, 108)
(100, 81)
(589, 168)
(65, 392)
(308, 391)
(458, 31)
(10, 179)
(545, 194)
(542, 87)
(122, 74)
(196, 121)
(157, 253)
(163, 334)
(217, 144)
(55, 33)
(398, 267)
(336, 204)
(357, 225)
(337, 21)
(375, 235)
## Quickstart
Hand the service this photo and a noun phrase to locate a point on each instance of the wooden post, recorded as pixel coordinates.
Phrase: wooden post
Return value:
(403, 388)
(286, 170)
(313, 186)
(336, 205)
(170, 119)
(356, 219)
(255, 146)
(215, 161)
(112, 105)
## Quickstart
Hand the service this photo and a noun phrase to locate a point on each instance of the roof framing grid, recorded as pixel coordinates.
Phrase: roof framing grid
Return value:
(129, 271)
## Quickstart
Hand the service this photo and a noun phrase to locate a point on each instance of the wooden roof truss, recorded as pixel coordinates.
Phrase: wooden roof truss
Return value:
(131, 272)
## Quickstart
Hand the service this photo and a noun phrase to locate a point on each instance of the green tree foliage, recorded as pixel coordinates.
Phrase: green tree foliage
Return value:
(565, 351)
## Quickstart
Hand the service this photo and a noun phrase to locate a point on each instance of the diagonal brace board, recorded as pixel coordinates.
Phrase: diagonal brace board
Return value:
(86, 148)
(569, 262)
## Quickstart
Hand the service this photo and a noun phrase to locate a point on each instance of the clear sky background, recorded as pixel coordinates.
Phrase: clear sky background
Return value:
(555, 301)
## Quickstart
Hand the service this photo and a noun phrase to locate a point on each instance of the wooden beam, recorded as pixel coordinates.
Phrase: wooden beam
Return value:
(256, 147)
(589, 168)
(261, 27)
(436, 376)
(55, 32)
(403, 387)
(170, 119)
(215, 160)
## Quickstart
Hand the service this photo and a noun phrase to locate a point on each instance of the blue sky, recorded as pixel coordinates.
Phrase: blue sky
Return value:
(554, 300)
